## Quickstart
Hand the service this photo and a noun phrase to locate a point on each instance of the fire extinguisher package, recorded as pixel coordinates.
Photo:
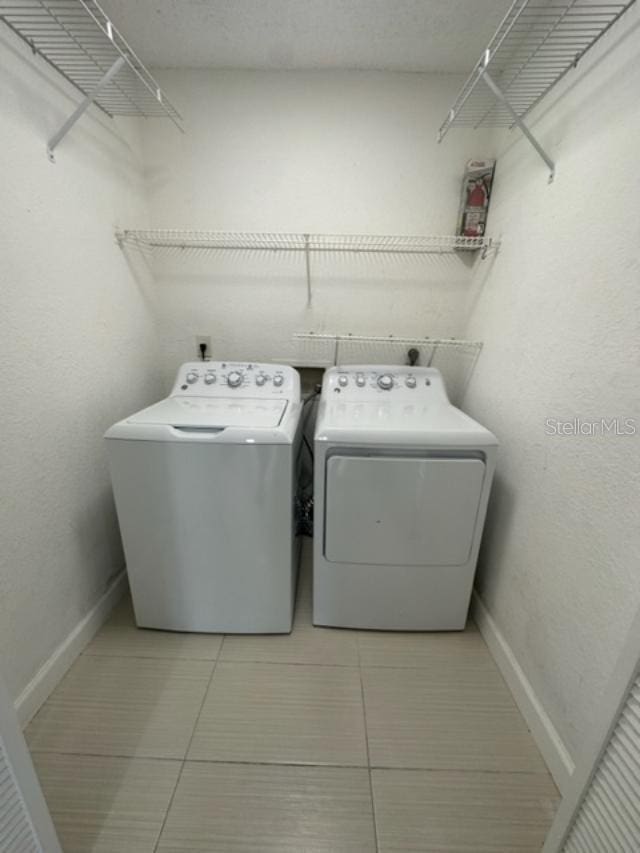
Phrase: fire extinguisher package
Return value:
(476, 192)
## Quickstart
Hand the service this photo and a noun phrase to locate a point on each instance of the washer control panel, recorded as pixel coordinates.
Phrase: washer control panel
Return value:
(364, 382)
(232, 378)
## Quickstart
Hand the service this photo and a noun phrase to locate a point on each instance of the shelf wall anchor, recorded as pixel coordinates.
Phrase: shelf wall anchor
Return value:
(57, 138)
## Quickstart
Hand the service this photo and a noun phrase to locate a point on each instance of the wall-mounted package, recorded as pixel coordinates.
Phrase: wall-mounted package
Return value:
(476, 192)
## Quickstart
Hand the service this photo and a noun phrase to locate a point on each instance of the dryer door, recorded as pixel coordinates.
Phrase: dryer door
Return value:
(401, 511)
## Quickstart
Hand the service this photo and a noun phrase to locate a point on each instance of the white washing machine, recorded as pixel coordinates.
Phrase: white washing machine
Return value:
(204, 484)
(402, 479)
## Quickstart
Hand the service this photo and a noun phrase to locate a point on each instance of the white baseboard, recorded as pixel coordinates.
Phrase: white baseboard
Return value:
(549, 742)
(51, 672)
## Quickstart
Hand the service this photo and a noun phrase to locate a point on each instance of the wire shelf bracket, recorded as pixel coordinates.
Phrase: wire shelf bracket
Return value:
(500, 95)
(306, 244)
(537, 43)
(77, 38)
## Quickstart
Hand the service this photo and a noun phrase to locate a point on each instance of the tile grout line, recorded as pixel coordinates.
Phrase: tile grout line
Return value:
(186, 752)
(390, 767)
(366, 738)
(181, 658)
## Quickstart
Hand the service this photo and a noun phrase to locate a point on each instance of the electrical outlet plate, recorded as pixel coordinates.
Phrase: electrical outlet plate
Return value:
(203, 339)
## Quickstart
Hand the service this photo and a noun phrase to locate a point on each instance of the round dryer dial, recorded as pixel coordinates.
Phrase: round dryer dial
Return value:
(234, 379)
(210, 378)
(278, 380)
(192, 377)
(260, 379)
(385, 381)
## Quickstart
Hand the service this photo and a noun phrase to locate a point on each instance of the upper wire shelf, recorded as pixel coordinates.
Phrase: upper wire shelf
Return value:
(77, 38)
(536, 44)
(298, 242)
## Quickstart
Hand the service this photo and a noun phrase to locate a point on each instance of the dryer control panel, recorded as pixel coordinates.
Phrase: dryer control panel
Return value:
(236, 379)
(373, 381)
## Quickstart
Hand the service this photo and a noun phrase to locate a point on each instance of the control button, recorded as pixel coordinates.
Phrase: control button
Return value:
(385, 381)
(278, 380)
(343, 380)
(360, 380)
(209, 379)
(410, 381)
(192, 377)
(427, 382)
(234, 379)
(260, 379)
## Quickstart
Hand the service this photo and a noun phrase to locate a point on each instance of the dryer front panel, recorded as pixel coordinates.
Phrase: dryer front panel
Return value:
(401, 511)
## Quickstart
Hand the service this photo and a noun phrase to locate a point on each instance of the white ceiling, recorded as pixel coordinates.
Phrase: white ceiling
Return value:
(392, 35)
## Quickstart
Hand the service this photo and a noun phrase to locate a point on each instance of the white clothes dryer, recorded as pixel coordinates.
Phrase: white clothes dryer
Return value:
(402, 480)
(204, 485)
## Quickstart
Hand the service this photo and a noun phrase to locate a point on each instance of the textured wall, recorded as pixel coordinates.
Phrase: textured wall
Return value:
(322, 152)
(559, 312)
(77, 342)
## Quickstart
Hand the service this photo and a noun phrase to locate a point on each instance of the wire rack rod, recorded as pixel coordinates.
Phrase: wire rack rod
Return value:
(77, 38)
(298, 242)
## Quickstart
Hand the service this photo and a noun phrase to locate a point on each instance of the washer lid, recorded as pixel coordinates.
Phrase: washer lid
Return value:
(212, 413)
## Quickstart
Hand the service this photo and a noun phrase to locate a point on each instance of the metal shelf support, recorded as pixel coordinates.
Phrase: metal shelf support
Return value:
(500, 95)
(307, 262)
(57, 138)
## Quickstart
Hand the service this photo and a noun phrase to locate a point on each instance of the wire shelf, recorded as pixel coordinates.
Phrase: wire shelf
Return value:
(455, 358)
(536, 44)
(296, 242)
(77, 38)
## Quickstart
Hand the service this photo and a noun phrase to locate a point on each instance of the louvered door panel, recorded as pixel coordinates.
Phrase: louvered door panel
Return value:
(17, 834)
(608, 820)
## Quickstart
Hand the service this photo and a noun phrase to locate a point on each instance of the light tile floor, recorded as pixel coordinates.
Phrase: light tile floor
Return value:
(323, 741)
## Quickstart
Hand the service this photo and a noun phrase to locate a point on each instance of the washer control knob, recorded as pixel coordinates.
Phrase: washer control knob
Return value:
(234, 379)
(278, 380)
(410, 381)
(260, 379)
(385, 381)
(360, 380)
(209, 379)
(192, 377)
(343, 380)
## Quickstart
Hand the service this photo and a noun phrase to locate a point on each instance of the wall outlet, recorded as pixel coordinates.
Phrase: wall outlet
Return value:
(203, 339)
